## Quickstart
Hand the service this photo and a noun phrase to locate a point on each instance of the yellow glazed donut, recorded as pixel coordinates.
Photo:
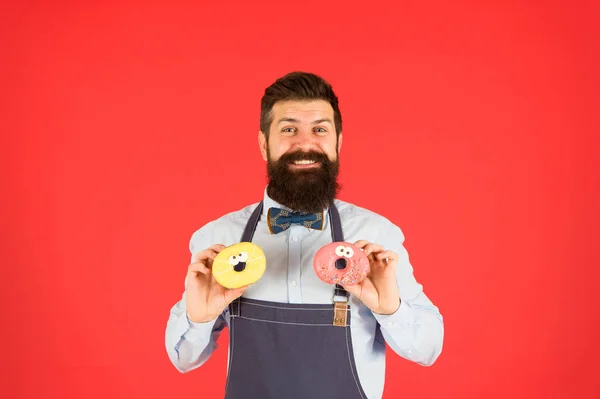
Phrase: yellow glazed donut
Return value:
(239, 265)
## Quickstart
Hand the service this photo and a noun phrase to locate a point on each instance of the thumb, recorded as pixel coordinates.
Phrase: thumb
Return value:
(355, 290)
(231, 295)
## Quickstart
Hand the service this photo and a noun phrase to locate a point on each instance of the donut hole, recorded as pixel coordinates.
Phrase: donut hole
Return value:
(341, 264)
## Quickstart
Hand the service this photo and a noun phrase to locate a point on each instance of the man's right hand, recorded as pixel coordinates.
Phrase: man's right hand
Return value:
(206, 299)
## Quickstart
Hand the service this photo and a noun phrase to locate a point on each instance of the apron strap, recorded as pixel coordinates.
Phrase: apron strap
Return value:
(252, 223)
(336, 224)
(338, 236)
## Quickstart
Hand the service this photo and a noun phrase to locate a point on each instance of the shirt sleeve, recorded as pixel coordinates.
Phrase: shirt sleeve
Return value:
(189, 345)
(416, 330)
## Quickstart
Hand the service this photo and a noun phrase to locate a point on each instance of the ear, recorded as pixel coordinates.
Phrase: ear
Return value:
(262, 144)
(339, 144)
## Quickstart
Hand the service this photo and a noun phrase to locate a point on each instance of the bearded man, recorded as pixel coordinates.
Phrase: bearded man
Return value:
(284, 338)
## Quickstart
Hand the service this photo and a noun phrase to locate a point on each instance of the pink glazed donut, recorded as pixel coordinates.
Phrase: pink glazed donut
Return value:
(341, 263)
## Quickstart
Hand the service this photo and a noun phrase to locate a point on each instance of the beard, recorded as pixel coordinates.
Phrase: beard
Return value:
(306, 190)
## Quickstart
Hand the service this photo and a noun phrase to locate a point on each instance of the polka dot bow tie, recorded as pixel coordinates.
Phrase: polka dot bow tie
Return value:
(280, 220)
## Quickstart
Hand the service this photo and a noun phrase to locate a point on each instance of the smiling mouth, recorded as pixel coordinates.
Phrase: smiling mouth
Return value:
(304, 162)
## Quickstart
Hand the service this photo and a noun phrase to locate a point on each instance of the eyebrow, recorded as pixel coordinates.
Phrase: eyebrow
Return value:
(316, 122)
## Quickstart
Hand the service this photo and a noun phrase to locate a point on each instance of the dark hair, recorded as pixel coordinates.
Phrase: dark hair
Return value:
(298, 86)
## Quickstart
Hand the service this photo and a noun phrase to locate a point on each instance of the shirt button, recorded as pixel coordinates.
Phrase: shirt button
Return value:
(294, 238)
(293, 283)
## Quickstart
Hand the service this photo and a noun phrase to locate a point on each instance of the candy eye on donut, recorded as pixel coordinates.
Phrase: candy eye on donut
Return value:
(340, 250)
(243, 256)
(234, 260)
(348, 252)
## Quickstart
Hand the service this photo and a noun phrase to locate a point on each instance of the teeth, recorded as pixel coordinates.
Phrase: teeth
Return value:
(303, 162)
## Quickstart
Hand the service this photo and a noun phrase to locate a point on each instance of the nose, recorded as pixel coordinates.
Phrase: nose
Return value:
(304, 140)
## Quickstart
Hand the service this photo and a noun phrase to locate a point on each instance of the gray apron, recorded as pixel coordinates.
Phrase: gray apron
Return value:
(291, 351)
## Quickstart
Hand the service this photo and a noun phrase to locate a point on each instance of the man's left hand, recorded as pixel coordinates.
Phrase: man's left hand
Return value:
(379, 290)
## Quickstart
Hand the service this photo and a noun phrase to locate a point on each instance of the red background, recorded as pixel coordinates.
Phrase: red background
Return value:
(474, 127)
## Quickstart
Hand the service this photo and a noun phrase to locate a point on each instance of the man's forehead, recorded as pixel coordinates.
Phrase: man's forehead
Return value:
(301, 110)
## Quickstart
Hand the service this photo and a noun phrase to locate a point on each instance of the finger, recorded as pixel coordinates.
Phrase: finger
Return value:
(361, 243)
(208, 253)
(373, 248)
(203, 256)
(355, 290)
(198, 268)
(217, 247)
(362, 289)
(231, 295)
(389, 255)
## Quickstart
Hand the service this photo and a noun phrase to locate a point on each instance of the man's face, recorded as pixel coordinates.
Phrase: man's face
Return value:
(302, 154)
(301, 126)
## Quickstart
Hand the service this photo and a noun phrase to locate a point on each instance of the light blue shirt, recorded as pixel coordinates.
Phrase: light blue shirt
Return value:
(415, 331)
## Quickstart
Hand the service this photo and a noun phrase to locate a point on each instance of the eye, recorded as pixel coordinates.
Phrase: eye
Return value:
(233, 260)
(320, 130)
(339, 250)
(348, 252)
(243, 256)
(288, 130)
